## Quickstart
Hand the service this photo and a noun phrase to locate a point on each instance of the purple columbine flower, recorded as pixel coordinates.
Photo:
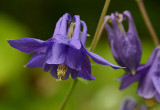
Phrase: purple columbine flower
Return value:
(64, 53)
(148, 76)
(126, 46)
(130, 104)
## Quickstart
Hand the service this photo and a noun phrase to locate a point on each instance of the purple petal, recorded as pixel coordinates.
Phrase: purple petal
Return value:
(64, 40)
(63, 28)
(115, 54)
(74, 73)
(157, 96)
(132, 27)
(148, 84)
(85, 75)
(128, 104)
(27, 45)
(47, 67)
(110, 32)
(146, 92)
(54, 71)
(75, 40)
(116, 28)
(58, 24)
(75, 43)
(74, 58)
(84, 33)
(113, 40)
(150, 61)
(85, 72)
(77, 29)
(156, 72)
(58, 54)
(98, 59)
(128, 79)
(86, 65)
(156, 81)
(37, 60)
(135, 44)
(146, 88)
(61, 39)
(134, 50)
(86, 69)
(82, 74)
(125, 53)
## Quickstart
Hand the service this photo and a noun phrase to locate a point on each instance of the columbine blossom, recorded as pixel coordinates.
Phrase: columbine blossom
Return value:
(148, 77)
(63, 54)
(130, 104)
(126, 46)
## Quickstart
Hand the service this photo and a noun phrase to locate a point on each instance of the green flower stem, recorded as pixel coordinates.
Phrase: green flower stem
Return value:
(147, 22)
(95, 39)
(101, 30)
(68, 95)
(93, 45)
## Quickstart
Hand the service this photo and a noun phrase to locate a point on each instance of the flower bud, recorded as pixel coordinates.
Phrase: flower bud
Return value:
(125, 45)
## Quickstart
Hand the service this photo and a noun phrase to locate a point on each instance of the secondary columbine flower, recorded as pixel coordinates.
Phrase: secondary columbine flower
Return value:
(64, 53)
(130, 104)
(126, 46)
(148, 76)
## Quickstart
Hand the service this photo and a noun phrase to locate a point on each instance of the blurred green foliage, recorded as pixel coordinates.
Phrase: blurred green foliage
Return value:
(32, 89)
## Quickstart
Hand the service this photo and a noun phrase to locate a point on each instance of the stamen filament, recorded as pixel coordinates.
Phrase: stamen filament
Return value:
(96, 38)
(70, 30)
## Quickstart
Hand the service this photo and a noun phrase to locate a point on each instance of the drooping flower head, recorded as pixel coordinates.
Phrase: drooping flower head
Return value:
(148, 77)
(125, 45)
(64, 53)
(130, 104)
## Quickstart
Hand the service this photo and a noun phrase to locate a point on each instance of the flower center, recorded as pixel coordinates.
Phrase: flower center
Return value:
(61, 71)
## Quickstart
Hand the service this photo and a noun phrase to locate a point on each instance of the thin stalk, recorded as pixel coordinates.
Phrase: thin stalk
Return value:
(68, 95)
(95, 39)
(70, 30)
(147, 22)
(101, 29)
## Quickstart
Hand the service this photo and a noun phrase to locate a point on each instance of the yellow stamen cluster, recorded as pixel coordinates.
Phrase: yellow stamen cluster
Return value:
(61, 71)
(150, 102)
